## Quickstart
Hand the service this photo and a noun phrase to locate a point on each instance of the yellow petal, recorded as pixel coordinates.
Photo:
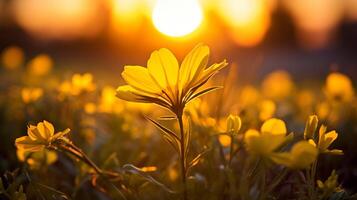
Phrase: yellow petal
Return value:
(33, 133)
(164, 68)
(193, 64)
(50, 130)
(328, 139)
(274, 126)
(27, 144)
(303, 154)
(126, 92)
(140, 79)
(209, 72)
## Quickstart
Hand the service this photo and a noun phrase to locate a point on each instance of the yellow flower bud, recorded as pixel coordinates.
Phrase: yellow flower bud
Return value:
(234, 123)
(310, 127)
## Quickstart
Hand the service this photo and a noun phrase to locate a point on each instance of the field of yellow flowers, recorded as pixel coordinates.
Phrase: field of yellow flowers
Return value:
(173, 130)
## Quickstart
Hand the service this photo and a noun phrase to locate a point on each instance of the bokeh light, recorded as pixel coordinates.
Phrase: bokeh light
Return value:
(177, 17)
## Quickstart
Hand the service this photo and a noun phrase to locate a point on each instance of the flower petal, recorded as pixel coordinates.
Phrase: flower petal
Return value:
(274, 126)
(193, 64)
(27, 144)
(163, 67)
(139, 78)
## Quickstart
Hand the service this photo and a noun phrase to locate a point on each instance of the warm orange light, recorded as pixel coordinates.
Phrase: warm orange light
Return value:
(177, 17)
(247, 19)
(65, 19)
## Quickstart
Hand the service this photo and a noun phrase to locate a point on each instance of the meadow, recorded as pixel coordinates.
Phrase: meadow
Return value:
(173, 129)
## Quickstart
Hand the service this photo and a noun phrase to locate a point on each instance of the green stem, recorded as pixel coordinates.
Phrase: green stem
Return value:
(182, 156)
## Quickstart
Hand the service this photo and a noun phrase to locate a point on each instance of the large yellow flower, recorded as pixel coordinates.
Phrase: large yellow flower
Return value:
(301, 156)
(166, 83)
(39, 137)
(271, 136)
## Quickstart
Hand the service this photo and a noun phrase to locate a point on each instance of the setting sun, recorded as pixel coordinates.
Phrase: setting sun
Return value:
(177, 17)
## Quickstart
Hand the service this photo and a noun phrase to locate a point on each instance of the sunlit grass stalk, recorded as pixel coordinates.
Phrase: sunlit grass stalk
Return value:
(182, 155)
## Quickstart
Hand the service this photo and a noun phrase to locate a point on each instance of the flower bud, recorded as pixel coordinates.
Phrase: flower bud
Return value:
(310, 127)
(234, 124)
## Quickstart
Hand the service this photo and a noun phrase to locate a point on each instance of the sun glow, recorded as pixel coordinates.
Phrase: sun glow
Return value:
(177, 17)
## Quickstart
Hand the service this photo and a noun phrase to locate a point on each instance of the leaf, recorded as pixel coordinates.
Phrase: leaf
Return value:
(168, 135)
(168, 117)
(137, 171)
(202, 92)
(197, 158)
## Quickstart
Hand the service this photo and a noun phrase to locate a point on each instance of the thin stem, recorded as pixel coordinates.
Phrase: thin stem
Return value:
(231, 151)
(182, 155)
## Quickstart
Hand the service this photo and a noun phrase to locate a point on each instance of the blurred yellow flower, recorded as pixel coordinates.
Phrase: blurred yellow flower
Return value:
(30, 95)
(166, 83)
(82, 83)
(325, 140)
(148, 169)
(271, 136)
(234, 123)
(277, 85)
(108, 102)
(301, 156)
(225, 140)
(12, 57)
(330, 186)
(339, 87)
(90, 108)
(267, 109)
(39, 137)
(40, 65)
(36, 159)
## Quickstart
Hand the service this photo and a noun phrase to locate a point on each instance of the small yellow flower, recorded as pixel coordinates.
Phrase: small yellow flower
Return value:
(267, 110)
(271, 136)
(30, 95)
(225, 140)
(310, 127)
(39, 137)
(234, 124)
(166, 83)
(12, 57)
(40, 65)
(82, 83)
(339, 87)
(301, 156)
(325, 140)
(330, 186)
(277, 85)
(90, 108)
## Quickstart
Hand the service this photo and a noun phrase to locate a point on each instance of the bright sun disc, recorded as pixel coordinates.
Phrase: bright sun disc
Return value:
(177, 17)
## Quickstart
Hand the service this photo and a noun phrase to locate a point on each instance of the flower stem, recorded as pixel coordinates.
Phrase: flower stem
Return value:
(182, 156)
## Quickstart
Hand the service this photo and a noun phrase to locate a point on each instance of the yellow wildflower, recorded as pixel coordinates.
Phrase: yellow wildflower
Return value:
(166, 83)
(40, 65)
(90, 108)
(271, 136)
(39, 137)
(82, 83)
(234, 124)
(301, 156)
(30, 95)
(225, 140)
(330, 186)
(325, 140)
(339, 87)
(12, 57)
(278, 85)
(267, 109)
